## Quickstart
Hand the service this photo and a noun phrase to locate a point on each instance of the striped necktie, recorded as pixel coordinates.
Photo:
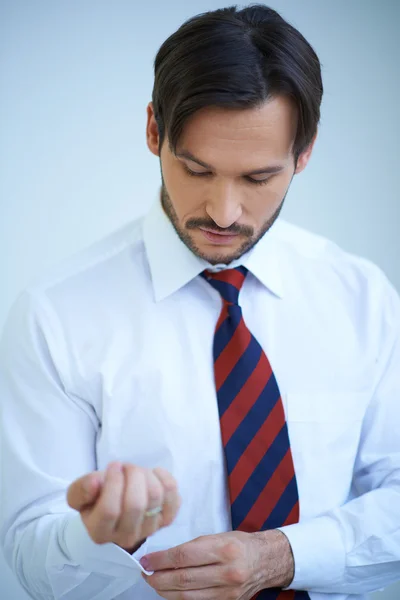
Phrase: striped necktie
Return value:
(261, 478)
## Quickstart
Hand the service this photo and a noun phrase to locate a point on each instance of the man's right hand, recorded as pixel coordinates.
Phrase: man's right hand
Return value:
(113, 503)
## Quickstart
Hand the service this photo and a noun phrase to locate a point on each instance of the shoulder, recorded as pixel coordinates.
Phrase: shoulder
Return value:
(341, 276)
(315, 250)
(77, 287)
(93, 260)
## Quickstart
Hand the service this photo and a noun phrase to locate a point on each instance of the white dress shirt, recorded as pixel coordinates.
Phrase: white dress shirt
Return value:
(110, 358)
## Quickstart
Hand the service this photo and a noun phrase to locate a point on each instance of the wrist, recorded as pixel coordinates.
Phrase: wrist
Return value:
(276, 558)
(135, 548)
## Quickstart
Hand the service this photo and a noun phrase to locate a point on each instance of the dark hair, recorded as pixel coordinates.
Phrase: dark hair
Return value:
(235, 59)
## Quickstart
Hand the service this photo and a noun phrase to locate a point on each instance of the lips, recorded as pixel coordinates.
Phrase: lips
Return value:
(219, 238)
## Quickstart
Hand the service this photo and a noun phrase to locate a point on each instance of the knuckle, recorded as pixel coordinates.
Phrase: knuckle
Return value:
(109, 513)
(184, 579)
(136, 512)
(134, 506)
(179, 557)
(236, 575)
(231, 551)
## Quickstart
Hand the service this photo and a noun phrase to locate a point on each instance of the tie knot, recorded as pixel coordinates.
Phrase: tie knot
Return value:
(228, 282)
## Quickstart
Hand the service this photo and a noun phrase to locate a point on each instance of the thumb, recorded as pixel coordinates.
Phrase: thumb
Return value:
(85, 490)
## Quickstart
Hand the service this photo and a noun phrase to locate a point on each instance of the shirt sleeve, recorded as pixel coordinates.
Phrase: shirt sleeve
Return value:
(48, 438)
(355, 549)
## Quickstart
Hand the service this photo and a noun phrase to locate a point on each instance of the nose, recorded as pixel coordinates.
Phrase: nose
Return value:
(225, 207)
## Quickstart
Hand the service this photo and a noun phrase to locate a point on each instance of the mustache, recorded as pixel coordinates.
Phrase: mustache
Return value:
(234, 228)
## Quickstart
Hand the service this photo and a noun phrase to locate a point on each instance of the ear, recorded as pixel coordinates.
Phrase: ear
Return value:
(152, 136)
(305, 156)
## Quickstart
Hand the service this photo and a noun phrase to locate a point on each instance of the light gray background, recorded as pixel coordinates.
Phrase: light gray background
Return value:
(75, 79)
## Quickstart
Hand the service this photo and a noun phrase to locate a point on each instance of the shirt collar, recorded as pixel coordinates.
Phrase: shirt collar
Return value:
(173, 265)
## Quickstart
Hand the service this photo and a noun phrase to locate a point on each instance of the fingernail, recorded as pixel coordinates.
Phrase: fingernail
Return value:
(145, 563)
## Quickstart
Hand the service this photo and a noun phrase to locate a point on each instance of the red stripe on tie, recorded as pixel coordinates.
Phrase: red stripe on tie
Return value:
(245, 399)
(293, 516)
(286, 595)
(232, 352)
(255, 451)
(235, 278)
(269, 497)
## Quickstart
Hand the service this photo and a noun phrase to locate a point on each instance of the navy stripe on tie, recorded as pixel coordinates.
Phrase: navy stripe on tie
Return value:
(282, 510)
(259, 478)
(239, 375)
(252, 422)
(229, 292)
(270, 594)
(224, 333)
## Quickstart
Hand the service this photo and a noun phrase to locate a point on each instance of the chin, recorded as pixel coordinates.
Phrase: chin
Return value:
(215, 254)
(219, 255)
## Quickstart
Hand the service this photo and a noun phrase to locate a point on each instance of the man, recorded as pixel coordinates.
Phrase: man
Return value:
(205, 404)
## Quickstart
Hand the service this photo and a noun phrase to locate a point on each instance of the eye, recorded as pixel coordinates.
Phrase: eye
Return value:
(193, 173)
(207, 173)
(258, 181)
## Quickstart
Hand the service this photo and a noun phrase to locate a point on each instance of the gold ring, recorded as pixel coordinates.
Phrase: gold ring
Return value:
(153, 511)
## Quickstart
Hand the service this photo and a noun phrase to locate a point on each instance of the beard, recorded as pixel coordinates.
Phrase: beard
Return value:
(252, 238)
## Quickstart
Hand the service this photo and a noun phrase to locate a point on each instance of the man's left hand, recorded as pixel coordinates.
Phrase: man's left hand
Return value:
(233, 565)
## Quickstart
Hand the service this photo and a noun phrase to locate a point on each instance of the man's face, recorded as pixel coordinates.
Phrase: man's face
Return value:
(217, 203)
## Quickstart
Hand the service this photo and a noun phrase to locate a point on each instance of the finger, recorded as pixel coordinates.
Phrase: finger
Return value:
(194, 578)
(107, 511)
(155, 499)
(198, 552)
(172, 500)
(85, 490)
(134, 503)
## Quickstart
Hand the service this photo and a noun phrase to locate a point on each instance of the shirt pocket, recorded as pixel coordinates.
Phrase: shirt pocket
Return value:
(324, 431)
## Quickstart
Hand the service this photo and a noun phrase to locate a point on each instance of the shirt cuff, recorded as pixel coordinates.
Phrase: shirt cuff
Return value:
(108, 559)
(318, 551)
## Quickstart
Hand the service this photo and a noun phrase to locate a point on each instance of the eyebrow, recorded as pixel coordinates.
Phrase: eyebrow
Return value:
(189, 156)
